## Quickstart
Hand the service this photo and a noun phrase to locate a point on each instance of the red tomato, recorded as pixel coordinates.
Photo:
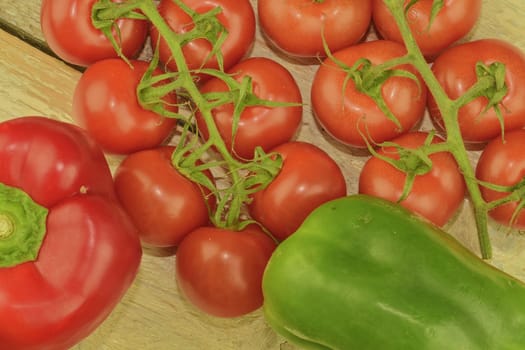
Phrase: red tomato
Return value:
(343, 114)
(295, 26)
(90, 251)
(105, 104)
(503, 163)
(220, 271)
(164, 205)
(455, 71)
(266, 127)
(308, 178)
(236, 16)
(68, 30)
(452, 23)
(436, 195)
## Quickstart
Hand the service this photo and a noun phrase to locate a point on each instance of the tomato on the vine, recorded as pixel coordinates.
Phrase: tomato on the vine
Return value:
(238, 18)
(297, 27)
(266, 127)
(502, 162)
(308, 178)
(69, 32)
(435, 195)
(105, 103)
(350, 115)
(453, 22)
(220, 270)
(164, 205)
(455, 70)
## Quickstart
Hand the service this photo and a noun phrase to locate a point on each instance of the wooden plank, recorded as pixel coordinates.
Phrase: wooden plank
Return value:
(153, 315)
(22, 18)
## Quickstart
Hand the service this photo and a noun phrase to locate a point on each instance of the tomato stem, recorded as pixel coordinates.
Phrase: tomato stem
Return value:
(449, 111)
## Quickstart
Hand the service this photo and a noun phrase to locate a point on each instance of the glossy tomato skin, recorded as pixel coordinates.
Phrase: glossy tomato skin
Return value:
(453, 22)
(344, 114)
(503, 163)
(220, 270)
(455, 71)
(237, 16)
(295, 26)
(68, 30)
(164, 205)
(266, 127)
(308, 178)
(105, 104)
(90, 253)
(35, 153)
(436, 195)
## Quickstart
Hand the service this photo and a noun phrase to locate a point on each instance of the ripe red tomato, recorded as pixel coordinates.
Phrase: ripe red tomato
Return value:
(68, 30)
(220, 271)
(344, 23)
(452, 23)
(266, 127)
(238, 18)
(436, 195)
(308, 178)
(105, 104)
(503, 163)
(344, 114)
(455, 71)
(164, 205)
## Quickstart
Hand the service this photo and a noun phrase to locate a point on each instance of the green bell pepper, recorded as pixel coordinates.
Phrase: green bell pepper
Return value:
(363, 273)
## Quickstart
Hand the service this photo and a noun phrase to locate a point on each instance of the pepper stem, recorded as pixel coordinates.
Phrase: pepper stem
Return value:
(7, 226)
(22, 226)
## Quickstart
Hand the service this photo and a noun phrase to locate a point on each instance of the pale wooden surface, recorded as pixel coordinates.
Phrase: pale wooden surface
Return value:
(153, 315)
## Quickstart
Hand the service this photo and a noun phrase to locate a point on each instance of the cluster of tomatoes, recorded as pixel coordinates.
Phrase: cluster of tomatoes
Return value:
(219, 269)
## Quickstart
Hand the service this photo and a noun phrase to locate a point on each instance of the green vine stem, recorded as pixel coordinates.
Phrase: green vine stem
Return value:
(449, 111)
(230, 202)
(261, 169)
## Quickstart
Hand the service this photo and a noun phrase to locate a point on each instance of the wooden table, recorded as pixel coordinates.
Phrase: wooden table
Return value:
(153, 315)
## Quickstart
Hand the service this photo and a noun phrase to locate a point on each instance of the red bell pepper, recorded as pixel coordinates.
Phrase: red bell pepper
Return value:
(68, 251)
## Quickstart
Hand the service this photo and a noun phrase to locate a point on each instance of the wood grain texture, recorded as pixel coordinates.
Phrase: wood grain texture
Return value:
(153, 315)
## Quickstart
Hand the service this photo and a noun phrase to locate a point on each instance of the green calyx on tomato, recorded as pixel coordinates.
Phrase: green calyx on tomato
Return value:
(205, 26)
(103, 17)
(500, 172)
(411, 161)
(490, 84)
(153, 89)
(515, 193)
(369, 79)
(22, 226)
